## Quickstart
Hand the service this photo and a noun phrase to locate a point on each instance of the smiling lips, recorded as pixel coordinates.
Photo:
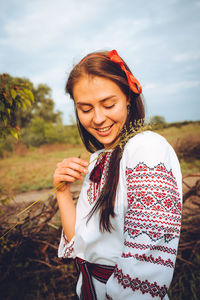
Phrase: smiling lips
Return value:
(104, 131)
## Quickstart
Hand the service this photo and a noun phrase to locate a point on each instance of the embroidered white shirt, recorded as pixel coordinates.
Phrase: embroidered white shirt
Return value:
(144, 244)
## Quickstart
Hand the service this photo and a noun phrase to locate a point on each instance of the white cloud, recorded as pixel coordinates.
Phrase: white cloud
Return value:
(186, 56)
(150, 86)
(121, 34)
(45, 22)
(169, 88)
(53, 76)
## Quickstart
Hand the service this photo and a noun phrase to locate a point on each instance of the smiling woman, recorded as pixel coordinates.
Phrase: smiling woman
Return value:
(101, 107)
(125, 229)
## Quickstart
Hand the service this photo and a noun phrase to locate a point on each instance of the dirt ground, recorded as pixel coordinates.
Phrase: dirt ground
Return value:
(76, 188)
(35, 195)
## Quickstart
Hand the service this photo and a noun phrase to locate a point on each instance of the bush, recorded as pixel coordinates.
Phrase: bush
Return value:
(158, 122)
(188, 147)
(40, 132)
(7, 144)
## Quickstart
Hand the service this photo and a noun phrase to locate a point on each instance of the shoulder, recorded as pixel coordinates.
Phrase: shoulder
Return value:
(147, 141)
(150, 148)
(147, 138)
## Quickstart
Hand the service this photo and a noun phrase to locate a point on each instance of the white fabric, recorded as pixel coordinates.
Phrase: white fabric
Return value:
(147, 223)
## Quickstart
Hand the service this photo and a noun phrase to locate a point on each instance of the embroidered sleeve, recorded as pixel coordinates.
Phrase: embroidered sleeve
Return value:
(66, 249)
(151, 229)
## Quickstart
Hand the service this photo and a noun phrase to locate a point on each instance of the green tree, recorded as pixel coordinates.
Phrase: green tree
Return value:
(15, 94)
(158, 122)
(43, 107)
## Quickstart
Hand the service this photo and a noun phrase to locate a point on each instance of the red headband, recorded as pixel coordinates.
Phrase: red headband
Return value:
(113, 56)
(133, 82)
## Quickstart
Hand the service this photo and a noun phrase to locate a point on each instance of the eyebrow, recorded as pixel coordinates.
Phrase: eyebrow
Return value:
(103, 100)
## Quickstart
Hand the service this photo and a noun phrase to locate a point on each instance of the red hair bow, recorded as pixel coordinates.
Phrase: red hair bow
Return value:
(133, 82)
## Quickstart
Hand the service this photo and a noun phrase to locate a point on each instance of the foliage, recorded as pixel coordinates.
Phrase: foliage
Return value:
(33, 102)
(40, 132)
(16, 112)
(7, 144)
(14, 94)
(43, 107)
(158, 122)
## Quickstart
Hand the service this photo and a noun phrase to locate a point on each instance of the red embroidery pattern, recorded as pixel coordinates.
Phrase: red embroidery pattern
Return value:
(150, 247)
(155, 188)
(136, 284)
(68, 249)
(97, 171)
(154, 206)
(151, 259)
(95, 188)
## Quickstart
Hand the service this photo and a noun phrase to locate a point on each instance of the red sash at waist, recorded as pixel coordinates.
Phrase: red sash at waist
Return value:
(99, 272)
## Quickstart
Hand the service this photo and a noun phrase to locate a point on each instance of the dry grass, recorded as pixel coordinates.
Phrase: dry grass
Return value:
(188, 147)
(32, 169)
(174, 134)
(186, 142)
(35, 169)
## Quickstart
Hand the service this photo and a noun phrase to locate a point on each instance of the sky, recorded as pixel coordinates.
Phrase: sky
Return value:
(159, 39)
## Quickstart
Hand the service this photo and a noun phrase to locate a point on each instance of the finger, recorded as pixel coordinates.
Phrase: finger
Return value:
(68, 171)
(65, 178)
(80, 161)
(71, 172)
(77, 160)
(73, 166)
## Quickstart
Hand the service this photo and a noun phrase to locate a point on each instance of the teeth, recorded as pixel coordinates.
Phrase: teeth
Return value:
(103, 129)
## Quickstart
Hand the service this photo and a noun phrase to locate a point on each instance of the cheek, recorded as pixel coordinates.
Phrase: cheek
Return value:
(84, 120)
(120, 113)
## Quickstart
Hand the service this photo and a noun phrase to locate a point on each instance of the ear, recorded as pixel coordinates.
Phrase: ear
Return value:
(128, 100)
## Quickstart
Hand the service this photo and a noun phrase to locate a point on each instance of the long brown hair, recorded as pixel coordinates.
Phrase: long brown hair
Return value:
(99, 64)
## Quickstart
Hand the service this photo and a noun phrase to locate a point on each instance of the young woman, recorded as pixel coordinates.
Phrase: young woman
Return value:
(125, 229)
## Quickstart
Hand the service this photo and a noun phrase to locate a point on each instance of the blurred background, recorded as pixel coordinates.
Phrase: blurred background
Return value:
(40, 41)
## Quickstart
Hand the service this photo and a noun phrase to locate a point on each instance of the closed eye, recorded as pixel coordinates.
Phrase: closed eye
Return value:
(86, 111)
(108, 107)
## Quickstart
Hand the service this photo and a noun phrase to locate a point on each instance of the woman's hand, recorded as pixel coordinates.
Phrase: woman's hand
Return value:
(69, 171)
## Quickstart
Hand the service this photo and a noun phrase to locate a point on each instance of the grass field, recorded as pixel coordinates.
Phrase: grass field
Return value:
(174, 134)
(33, 169)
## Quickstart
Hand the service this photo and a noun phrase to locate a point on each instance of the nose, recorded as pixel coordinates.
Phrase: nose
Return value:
(99, 116)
